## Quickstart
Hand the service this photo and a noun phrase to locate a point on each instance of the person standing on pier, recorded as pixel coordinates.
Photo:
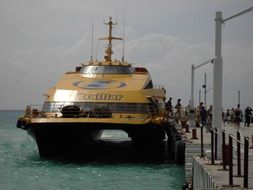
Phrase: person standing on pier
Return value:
(178, 108)
(203, 114)
(168, 106)
(198, 114)
(248, 116)
(209, 119)
(232, 115)
(227, 117)
(223, 117)
(237, 117)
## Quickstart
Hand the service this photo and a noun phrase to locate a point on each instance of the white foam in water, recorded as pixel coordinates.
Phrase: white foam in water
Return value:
(115, 135)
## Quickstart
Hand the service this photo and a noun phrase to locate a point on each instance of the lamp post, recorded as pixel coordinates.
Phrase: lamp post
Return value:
(199, 96)
(205, 91)
(192, 114)
(204, 86)
(217, 72)
(239, 97)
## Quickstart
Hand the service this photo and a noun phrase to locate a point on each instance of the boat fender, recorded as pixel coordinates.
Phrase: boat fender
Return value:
(180, 152)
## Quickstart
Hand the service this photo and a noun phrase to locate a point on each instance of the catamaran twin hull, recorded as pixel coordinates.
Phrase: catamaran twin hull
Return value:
(74, 137)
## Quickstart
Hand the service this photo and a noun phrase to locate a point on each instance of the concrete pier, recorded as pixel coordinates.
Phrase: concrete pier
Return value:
(204, 175)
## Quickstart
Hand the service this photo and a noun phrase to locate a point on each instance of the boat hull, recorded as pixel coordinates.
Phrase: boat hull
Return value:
(79, 138)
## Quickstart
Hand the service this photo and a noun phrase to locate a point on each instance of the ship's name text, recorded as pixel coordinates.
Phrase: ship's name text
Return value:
(99, 97)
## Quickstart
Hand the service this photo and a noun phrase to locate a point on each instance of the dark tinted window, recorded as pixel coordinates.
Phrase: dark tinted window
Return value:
(141, 108)
(106, 70)
(149, 85)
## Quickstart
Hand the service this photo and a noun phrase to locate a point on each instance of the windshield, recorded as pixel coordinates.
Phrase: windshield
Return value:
(106, 70)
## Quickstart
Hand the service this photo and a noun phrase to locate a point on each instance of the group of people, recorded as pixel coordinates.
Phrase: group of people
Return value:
(236, 116)
(204, 116)
(169, 108)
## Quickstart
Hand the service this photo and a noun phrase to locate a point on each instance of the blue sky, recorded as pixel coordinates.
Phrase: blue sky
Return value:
(40, 40)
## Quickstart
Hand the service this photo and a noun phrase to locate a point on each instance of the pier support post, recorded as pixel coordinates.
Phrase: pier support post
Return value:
(223, 149)
(231, 160)
(246, 162)
(231, 182)
(217, 80)
(201, 141)
(216, 143)
(187, 130)
(212, 147)
(194, 133)
(251, 142)
(192, 111)
(238, 137)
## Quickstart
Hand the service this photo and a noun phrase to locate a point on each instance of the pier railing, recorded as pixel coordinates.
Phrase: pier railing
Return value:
(228, 152)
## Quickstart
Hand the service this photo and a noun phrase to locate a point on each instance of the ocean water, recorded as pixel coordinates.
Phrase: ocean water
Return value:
(22, 168)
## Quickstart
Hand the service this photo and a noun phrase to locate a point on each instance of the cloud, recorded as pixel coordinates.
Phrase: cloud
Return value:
(169, 60)
(42, 40)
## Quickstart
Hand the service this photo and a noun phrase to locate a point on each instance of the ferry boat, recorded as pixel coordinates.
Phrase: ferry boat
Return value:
(98, 95)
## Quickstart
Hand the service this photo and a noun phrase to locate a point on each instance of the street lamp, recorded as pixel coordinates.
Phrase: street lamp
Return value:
(239, 97)
(205, 90)
(217, 72)
(204, 86)
(192, 114)
(199, 96)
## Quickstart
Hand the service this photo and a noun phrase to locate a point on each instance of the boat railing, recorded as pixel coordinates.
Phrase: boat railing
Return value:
(157, 86)
(34, 110)
(92, 109)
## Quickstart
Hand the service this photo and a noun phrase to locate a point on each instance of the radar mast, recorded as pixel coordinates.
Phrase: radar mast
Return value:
(108, 51)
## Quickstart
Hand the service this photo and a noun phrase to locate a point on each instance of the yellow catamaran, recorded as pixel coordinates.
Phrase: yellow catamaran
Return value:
(99, 95)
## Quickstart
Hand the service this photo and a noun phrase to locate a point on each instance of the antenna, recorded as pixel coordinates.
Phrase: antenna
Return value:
(108, 51)
(92, 30)
(96, 52)
(123, 33)
(116, 17)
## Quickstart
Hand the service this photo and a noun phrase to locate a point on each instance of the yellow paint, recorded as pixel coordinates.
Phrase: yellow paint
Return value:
(115, 88)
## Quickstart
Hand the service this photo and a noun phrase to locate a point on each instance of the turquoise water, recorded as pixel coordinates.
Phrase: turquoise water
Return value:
(22, 168)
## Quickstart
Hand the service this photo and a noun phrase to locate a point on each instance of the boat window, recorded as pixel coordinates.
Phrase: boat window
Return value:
(106, 70)
(141, 108)
(149, 85)
(141, 70)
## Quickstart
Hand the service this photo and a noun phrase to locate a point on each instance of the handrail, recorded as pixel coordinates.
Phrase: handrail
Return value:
(157, 86)
(215, 130)
(235, 139)
(239, 142)
(86, 109)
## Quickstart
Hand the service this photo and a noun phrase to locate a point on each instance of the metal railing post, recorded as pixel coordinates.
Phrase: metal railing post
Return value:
(201, 141)
(246, 162)
(251, 142)
(230, 160)
(238, 153)
(216, 143)
(212, 147)
(223, 149)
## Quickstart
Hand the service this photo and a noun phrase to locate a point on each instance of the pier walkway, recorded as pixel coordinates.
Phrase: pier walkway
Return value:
(211, 176)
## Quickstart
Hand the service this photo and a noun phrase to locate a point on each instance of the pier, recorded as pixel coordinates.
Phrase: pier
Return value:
(204, 171)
